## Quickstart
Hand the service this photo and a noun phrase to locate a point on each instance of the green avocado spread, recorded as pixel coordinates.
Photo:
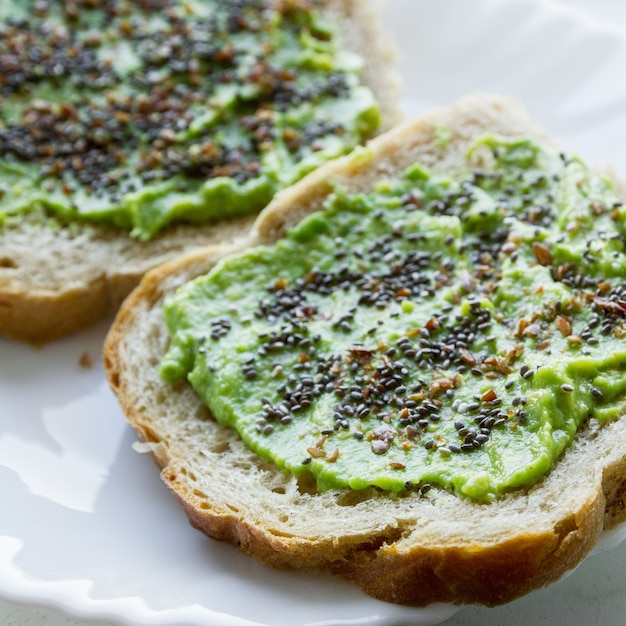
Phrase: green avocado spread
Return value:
(138, 114)
(437, 330)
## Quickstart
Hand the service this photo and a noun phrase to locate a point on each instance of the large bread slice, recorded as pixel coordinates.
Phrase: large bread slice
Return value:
(57, 277)
(413, 550)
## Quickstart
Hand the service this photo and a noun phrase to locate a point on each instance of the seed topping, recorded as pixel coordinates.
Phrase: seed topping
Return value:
(100, 99)
(429, 358)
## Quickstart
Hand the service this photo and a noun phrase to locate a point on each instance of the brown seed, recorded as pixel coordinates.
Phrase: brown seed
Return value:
(467, 356)
(514, 353)
(509, 247)
(85, 361)
(403, 292)
(532, 330)
(320, 444)
(521, 326)
(563, 325)
(412, 433)
(316, 452)
(542, 253)
(432, 324)
(488, 396)
(333, 456)
(439, 385)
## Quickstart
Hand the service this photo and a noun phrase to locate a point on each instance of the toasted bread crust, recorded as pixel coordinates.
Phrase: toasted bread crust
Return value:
(412, 550)
(54, 281)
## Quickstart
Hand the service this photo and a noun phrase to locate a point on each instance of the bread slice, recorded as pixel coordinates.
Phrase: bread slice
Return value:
(57, 277)
(409, 549)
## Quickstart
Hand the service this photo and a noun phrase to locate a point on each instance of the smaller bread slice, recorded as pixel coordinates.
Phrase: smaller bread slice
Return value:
(413, 550)
(57, 277)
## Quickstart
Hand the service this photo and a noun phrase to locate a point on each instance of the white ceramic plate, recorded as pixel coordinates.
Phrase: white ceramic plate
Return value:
(85, 523)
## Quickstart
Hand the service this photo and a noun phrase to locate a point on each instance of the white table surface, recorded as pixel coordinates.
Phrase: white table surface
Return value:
(573, 602)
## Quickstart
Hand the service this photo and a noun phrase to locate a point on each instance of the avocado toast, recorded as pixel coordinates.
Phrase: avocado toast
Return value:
(404, 534)
(132, 132)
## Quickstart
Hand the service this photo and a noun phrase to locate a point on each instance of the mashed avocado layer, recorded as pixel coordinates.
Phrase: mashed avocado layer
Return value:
(138, 114)
(440, 330)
